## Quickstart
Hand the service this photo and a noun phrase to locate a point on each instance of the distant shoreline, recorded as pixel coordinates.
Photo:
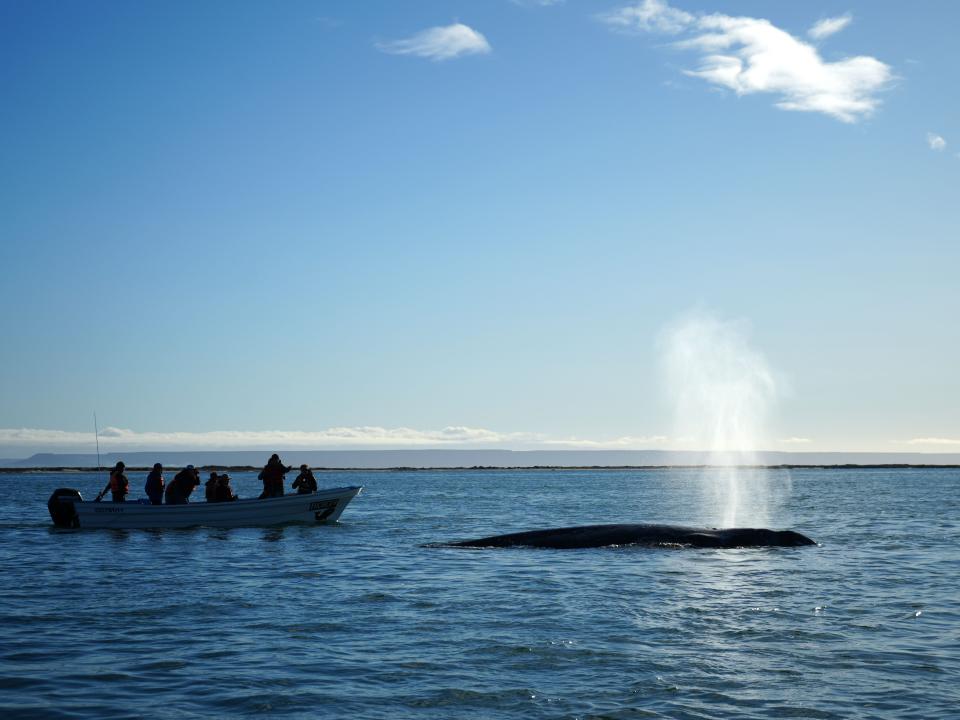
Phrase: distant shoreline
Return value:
(493, 468)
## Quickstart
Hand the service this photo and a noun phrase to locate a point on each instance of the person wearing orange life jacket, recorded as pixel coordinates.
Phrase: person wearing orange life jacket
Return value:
(118, 484)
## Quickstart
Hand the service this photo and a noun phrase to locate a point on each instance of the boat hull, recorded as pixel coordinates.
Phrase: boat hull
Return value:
(324, 506)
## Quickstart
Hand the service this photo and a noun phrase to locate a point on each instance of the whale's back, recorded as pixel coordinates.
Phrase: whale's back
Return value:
(594, 536)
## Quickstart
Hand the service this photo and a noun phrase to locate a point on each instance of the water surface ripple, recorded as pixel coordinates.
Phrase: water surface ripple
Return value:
(360, 620)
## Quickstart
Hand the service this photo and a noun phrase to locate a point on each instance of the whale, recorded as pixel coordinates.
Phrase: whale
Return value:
(597, 536)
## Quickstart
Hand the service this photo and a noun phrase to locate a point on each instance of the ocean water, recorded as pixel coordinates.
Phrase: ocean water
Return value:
(359, 620)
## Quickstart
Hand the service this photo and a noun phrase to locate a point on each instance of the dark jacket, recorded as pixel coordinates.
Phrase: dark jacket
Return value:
(179, 489)
(154, 485)
(305, 482)
(272, 476)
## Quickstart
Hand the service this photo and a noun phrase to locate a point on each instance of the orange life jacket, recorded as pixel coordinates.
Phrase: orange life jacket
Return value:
(118, 483)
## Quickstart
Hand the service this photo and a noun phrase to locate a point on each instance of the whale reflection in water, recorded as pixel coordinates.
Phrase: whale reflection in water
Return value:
(595, 536)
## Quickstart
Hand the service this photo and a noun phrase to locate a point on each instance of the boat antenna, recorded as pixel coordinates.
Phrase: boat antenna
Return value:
(96, 436)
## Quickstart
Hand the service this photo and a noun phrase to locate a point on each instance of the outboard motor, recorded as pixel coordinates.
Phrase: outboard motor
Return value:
(61, 508)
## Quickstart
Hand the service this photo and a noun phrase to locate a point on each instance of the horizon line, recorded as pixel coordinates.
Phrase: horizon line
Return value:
(275, 449)
(483, 468)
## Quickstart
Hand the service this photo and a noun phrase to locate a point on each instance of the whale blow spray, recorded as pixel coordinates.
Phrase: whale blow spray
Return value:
(722, 391)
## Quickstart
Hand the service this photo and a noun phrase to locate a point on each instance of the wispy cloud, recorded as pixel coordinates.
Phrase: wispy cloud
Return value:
(112, 439)
(829, 26)
(936, 142)
(368, 436)
(20, 442)
(538, 3)
(440, 43)
(628, 442)
(933, 441)
(327, 22)
(752, 55)
(649, 16)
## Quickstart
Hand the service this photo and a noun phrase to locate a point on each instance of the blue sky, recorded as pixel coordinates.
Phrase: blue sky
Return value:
(338, 224)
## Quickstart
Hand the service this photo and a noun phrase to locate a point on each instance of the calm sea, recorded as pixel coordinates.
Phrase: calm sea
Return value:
(359, 620)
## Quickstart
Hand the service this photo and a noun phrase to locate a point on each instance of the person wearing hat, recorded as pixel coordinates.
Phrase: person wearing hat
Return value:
(154, 486)
(183, 483)
(118, 485)
(211, 487)
(224, 493)
(305, 483)
(272, 477)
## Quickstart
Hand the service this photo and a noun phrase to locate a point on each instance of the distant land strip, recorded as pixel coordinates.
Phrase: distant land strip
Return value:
(466, 459)
(495, 468)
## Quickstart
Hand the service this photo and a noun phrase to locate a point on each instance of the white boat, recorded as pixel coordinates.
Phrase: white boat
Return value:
(70, 510)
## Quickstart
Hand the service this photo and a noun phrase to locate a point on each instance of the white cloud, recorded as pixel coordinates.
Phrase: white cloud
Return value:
(934, 441)
(627, 442)
(829, 26)
(29, 440)
(327, 22)
(936, 142)
(649, 16)
(120, 438)
(440, 43)
(751, 55)
(21, 442)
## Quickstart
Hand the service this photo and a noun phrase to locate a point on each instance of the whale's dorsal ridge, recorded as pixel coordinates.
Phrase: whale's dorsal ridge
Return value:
(620, 534)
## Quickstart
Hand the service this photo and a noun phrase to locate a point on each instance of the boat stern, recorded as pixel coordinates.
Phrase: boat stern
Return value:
(62, 507)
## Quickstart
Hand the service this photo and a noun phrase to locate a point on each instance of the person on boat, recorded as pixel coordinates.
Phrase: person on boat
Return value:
(224, 493)
(305, 483)
(118, 485)
(154, 485)
(183, 483)
(211, 487)
(272, 476)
